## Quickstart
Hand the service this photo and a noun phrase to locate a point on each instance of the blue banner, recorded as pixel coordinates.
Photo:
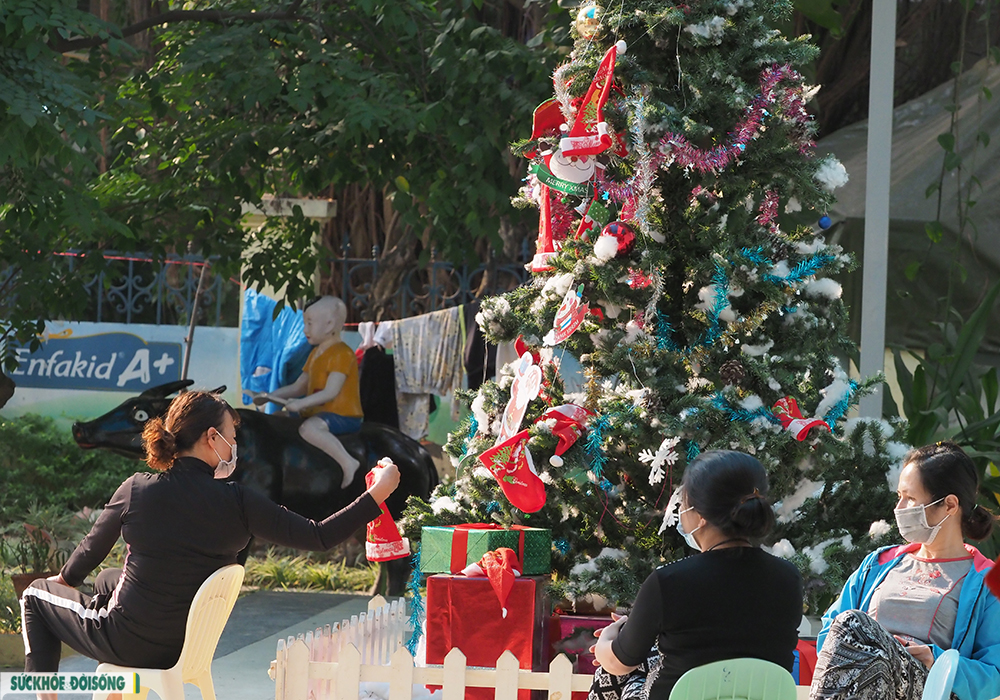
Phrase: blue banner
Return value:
(104, 361)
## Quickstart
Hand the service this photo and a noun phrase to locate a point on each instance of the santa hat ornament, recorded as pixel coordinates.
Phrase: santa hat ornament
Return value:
(383, 542)
(787, 411)
(501, 567)
(570, 421)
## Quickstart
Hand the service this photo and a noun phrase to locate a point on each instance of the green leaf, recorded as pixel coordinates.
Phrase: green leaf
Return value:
(983, 137)
(931, 189)
(947, 141)
(952, 161)
(402, 183)
(987, 93)
(969, 340)
(990, 390)
(912, 270)
(934, 231)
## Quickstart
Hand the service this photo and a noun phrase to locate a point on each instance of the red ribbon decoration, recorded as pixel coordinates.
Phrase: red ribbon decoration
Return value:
(460, 542)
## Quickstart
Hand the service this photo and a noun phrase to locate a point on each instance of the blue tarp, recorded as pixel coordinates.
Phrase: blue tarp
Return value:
(272, 350)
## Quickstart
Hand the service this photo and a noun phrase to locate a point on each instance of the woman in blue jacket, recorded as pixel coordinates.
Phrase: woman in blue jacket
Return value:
(907, 604)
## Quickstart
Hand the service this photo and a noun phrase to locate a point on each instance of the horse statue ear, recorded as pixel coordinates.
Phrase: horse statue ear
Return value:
(163, 390)
(218, 390)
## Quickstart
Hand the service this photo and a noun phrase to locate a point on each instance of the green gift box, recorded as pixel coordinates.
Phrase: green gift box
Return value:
(446, 550)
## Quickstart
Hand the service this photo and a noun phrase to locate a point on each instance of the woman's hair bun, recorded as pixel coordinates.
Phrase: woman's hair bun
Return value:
(752, 517)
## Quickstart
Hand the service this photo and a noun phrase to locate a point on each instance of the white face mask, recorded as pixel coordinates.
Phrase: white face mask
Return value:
(688, 536)
(912, 523)
(225, 467)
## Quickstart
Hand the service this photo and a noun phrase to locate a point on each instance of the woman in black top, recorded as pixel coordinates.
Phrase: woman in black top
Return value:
(730, 601)
(180, 525)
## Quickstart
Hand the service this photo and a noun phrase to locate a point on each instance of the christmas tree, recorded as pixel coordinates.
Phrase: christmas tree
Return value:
(681, 259)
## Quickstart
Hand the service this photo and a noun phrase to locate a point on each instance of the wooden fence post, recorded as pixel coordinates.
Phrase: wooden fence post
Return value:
(560, 678)
(297, 671)
(454, 675)
(401, 675)
(348, 673)
(507, 676)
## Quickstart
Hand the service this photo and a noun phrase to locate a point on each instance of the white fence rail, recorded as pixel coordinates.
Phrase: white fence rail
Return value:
(304, 679)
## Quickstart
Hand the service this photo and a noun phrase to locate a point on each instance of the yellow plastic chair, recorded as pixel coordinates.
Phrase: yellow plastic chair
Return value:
(735, 679)
(207, 618)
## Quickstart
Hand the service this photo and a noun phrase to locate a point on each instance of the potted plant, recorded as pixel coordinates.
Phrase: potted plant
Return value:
(38, 547)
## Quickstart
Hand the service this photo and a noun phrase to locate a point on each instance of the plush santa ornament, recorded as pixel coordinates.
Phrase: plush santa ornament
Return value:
(787, 411)
(383, 542)
(501, 567)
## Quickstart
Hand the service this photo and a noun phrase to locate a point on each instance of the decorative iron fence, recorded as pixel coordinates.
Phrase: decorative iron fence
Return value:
(437, 285)
(137, 289)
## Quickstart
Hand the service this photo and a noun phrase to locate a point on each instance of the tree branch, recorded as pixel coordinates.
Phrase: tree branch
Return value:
(212, 16)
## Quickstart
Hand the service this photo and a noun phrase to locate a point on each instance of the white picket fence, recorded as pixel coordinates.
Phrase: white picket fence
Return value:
(377, 634)
(332, 662)
(304, 679)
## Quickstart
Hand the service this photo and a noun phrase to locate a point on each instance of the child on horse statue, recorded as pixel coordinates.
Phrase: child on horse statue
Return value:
(328, 386)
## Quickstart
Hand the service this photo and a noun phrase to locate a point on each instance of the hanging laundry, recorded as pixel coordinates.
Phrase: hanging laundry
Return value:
(480, 356)
(366, 329)
(272, 350)
(378, 387)
(428, 352)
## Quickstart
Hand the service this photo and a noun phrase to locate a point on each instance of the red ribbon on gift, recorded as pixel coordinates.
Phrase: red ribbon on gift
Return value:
(460, 542)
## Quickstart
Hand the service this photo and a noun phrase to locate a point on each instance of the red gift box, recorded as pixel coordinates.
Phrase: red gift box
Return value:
(573, 635)
(464, 612)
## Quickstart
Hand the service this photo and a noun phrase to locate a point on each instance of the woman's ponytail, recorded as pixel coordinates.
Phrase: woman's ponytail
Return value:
(978, 524)
(752, 517)
(161, 445)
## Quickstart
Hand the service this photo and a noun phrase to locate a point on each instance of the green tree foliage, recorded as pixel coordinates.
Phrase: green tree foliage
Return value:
(722, 308)
(413, 97)
(41, 467)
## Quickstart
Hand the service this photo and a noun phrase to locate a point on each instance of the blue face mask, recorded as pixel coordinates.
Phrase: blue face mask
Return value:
(688, 536)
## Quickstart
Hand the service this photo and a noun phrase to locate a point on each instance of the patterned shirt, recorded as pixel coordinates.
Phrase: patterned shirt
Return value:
(918, 599)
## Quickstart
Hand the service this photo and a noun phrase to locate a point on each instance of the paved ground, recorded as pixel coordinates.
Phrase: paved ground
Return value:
(248, 643)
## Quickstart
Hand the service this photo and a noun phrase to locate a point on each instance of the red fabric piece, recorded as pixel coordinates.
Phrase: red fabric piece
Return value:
(500, 567)
(807, 660)
(993, 578)
(382, 541)
(787, 411)
(511, 465)
(463, 612)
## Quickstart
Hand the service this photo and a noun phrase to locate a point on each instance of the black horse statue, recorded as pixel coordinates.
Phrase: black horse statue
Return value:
(276, 461)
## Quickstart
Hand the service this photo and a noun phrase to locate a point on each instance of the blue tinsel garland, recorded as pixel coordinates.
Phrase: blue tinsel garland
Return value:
(593, 446)
(742, 414)
(693, 450)
(838, 410)
(416, 604)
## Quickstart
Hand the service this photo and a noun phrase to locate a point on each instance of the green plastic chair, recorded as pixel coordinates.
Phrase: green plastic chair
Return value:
(735, 679)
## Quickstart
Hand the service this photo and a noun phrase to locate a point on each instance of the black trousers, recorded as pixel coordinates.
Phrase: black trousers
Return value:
(52, 613)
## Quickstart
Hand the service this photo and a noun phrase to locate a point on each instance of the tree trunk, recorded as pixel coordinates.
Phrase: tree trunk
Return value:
(7, 386)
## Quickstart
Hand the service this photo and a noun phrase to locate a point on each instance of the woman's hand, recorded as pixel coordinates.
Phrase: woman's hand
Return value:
(920, 652)
(294, 406)
(385, 482)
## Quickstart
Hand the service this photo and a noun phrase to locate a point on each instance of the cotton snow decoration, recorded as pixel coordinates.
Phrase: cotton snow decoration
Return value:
(605, 248)
(831, 174)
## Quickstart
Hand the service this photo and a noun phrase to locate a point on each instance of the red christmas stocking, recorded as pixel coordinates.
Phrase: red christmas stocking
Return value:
(511, 465)
(383, 542)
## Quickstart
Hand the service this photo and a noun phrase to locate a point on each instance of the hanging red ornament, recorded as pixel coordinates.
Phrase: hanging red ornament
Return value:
(637, 279)
(624, 233)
